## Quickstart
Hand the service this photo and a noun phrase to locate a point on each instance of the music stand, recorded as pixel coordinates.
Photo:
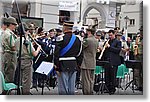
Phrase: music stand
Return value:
(43, 83)
(103, 85)
(45, 69)
(134, 64)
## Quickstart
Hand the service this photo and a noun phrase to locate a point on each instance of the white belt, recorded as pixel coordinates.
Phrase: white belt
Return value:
(67, 58)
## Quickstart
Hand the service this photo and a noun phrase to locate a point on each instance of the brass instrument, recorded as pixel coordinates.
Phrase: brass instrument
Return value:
(135, 47)
(37, 44)
(103, 49)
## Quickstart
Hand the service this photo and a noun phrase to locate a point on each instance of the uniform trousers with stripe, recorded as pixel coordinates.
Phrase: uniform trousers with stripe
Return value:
(66, 83)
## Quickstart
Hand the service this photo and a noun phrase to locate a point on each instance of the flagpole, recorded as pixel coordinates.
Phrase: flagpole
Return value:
(20, 49)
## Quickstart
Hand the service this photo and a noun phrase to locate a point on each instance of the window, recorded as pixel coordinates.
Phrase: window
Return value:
(132, 22)
(63, 16)
(118, 9)
(23, 8)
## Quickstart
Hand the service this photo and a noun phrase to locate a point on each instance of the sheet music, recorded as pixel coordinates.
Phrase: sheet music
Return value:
(45, 68)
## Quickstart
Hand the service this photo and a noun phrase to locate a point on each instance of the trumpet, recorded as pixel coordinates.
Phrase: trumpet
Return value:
(103, 49)
(37, 44)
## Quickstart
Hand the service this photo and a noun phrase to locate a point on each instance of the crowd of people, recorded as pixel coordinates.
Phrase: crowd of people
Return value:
(74, 54)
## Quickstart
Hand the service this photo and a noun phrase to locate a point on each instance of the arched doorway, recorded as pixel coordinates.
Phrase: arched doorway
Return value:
(98, 9)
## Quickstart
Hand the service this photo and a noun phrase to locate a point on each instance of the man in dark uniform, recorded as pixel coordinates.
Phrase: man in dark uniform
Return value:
(48, 45)
(67, 57)
(111, 54)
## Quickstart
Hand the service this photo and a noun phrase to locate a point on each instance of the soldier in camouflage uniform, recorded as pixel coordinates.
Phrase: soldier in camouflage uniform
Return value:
(27, 53)
(2, 29)
(138, 55)
(10, 55)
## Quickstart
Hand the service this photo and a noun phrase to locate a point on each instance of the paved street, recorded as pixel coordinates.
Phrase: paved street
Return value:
(119, 91)
(79, 92)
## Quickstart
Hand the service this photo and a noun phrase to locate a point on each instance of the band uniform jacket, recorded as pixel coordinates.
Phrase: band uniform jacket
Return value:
(47, 45)
(75, 51)
(90, 46)
(111, 54)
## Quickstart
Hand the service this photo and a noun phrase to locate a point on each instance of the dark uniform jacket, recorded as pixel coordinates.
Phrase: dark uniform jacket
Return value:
(75, 51)
(111, 54)
(48, 45)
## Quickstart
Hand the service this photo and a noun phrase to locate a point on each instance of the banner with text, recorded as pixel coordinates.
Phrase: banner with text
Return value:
(69, 5)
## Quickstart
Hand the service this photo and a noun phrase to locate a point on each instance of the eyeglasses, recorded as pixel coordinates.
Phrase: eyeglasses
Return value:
(14, 24)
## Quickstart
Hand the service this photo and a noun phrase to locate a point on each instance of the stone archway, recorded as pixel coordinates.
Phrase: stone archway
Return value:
(100, 8)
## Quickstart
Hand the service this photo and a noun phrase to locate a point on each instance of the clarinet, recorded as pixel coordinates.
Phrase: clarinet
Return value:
(103, 49)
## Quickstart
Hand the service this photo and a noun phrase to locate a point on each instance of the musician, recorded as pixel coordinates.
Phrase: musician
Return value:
(37, 78)
(100, 38)
(40, 33)
(111, 54)
(48, 45)
(58, 32)
(32, 30)
(51, 42)
(138, 55)
(2, 29)
(67, 60)
(130, 52)
(82, 33)
(124, 46)
(90, 46)
(116, 30)
(27, 53)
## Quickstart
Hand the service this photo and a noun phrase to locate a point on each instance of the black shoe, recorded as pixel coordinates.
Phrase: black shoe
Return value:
(112, 91)
(40, 85)
(139, 88)
(34, 86)
(105, 91)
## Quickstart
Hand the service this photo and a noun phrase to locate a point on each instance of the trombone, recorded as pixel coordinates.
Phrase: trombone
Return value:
(37, 44)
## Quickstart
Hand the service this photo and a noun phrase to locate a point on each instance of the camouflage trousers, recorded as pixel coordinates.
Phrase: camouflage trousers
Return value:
(10, 63)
